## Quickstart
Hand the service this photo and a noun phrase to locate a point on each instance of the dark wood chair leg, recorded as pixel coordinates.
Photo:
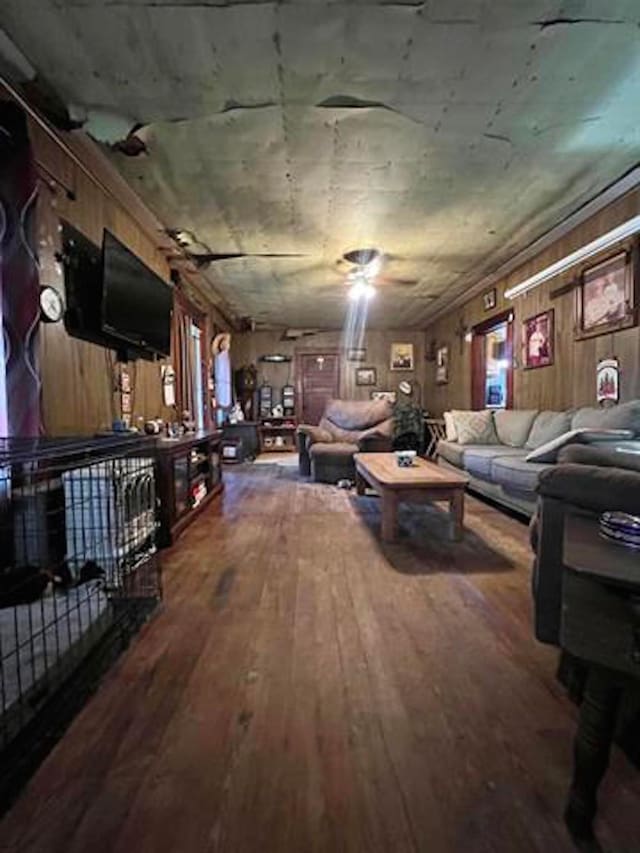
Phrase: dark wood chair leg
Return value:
(592, 746)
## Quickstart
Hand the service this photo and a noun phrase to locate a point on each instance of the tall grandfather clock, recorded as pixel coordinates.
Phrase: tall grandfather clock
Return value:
(246, 381)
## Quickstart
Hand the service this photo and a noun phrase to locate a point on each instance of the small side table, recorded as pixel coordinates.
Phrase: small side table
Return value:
(601, 627)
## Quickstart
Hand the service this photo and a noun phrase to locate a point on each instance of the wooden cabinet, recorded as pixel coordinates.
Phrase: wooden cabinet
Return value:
(277, 434)
(189, 477)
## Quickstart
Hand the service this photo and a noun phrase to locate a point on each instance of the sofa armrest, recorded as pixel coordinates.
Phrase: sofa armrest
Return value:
(314, 434)
(592, 487)
(375, 442)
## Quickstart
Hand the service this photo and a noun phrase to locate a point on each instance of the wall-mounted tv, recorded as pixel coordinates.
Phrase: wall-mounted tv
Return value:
(136, 303)
(82, 264)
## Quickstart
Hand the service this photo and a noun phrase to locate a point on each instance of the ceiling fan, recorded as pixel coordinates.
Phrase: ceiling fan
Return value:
(200, 254)
(364, 272)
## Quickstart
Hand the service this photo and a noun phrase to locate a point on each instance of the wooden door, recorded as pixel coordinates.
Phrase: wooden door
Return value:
(318, 380)
(480, 370)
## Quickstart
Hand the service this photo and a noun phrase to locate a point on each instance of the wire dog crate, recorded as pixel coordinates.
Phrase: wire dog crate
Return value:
(79, 572)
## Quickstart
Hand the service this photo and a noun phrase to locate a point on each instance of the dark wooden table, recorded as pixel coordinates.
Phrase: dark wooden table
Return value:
(601, 627)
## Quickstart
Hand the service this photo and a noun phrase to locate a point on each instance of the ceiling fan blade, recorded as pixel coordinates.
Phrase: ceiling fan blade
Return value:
(212, 257)
(390, 280)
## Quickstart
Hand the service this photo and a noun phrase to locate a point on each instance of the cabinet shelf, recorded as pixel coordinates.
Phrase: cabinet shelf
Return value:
(184, 465)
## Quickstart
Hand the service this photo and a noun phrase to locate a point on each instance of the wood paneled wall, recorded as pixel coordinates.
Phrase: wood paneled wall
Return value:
(78, 389)
(570, 381)
(247, 348)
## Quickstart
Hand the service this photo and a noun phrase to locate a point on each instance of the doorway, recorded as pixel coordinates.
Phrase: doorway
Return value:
(492, 363)
(318, 381)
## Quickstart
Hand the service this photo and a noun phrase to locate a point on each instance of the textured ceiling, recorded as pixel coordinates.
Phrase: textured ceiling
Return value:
(449, 133)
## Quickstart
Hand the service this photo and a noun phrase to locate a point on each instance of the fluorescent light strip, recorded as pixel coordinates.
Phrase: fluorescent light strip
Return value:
(627, 229)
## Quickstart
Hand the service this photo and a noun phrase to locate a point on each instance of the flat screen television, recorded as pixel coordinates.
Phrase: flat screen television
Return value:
(82, 265)
(136, 303)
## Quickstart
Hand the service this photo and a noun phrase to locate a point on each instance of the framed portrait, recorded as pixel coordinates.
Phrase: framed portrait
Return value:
(538, 340)
(608, 381)
(490, 299)
(365, 376)
(442, 365)
(401, 357)
(606, 299)
(384, 395)
(357, 354)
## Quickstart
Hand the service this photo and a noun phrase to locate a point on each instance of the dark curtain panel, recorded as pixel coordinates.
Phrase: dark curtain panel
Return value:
(19, 278)
(184, 360)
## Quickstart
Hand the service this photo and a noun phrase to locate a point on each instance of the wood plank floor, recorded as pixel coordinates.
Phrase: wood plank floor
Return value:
(306, 689)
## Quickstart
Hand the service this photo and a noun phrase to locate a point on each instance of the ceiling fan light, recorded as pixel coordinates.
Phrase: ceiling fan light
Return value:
(361, 289)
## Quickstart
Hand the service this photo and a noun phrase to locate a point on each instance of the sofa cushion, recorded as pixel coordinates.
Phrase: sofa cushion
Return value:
(478, 460)
(357, 414)
(475, 427)
(546, 427)
(625, 455)
(549, 452)
(513, 427)
(334, 448)
(452, 452)
(516, 475)
(624, 416)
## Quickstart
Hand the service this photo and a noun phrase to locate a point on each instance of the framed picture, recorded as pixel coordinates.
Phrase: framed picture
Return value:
(606, 298)
(401, 357)
(538, 340)
(365, 376)
(442, 365)
(384, 395)
(490, 299)
(608, 380)
(356, 354)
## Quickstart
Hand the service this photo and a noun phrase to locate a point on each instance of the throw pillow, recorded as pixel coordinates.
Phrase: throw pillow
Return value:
(450, 427)
(475, 427)
(513, 427)
(549, 452)
(546, 427)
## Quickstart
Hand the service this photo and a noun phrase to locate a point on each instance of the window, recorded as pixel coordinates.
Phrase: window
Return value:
(492, 363)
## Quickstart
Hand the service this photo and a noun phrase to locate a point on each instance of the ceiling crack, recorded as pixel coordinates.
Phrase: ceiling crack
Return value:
(499, 137)
(562, 21)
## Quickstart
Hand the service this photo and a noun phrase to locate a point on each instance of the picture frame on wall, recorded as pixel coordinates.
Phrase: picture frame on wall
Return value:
(391, 396)
(442, 365)
(490, 299)
(538, 341)
(366, 376)
(356, 354)
(607, 297)
(608, 381)
(401, 357)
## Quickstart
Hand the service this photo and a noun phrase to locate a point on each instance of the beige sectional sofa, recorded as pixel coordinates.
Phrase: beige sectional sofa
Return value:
(497, 463)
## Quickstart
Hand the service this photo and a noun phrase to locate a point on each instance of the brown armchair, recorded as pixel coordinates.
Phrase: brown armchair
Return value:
(346, 428)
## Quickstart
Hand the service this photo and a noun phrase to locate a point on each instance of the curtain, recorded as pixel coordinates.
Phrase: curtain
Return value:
(19, 279)
(185, 366)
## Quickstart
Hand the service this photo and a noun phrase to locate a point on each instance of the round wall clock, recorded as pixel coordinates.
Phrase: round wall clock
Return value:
(51, 305)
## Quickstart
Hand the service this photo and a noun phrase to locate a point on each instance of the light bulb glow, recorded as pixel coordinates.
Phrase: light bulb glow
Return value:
(361, 290)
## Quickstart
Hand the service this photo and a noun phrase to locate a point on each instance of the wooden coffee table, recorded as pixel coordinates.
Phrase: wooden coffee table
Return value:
(422, 482)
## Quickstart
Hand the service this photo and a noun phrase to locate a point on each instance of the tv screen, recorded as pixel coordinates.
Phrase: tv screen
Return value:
(82, 263)
(136, 303)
